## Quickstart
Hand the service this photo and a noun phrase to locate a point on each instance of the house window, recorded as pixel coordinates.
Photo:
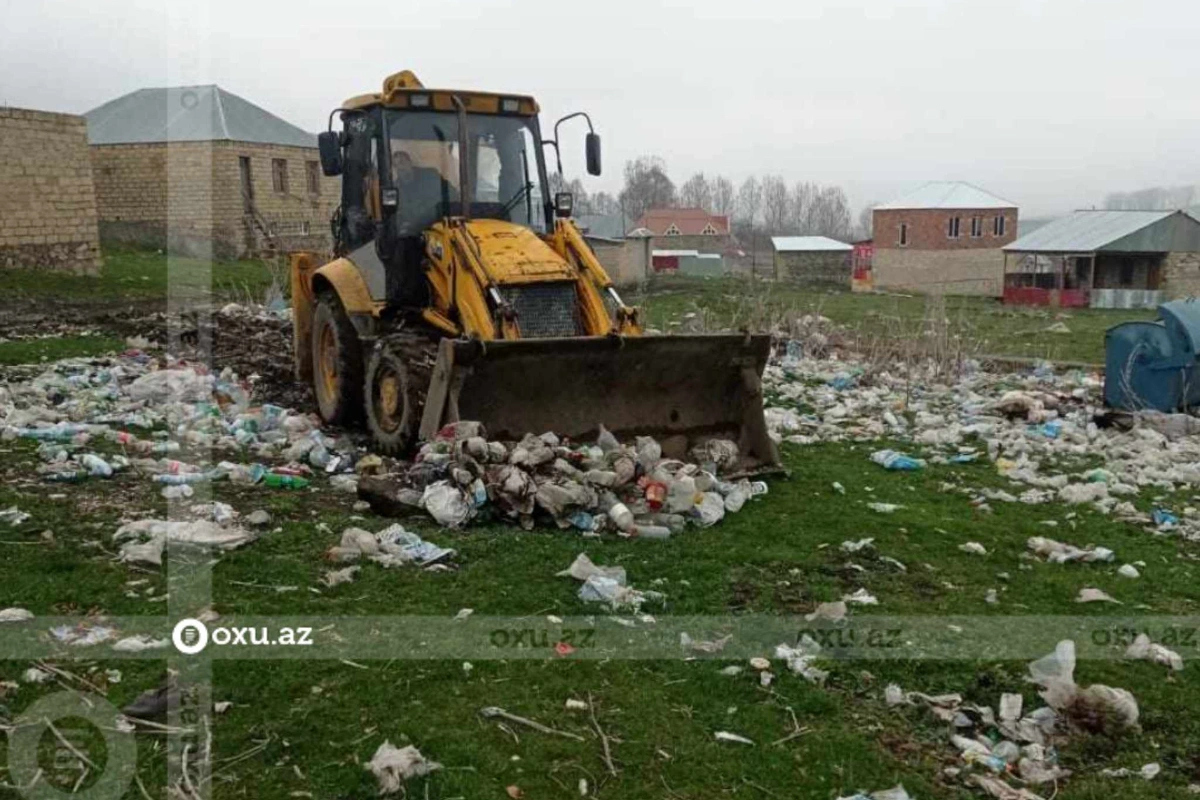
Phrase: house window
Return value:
(952, 227)
(672, 230)
(904, 234)
(312, 171)
(279, 176)
(998, 225)
(976, 227)
(709, 230)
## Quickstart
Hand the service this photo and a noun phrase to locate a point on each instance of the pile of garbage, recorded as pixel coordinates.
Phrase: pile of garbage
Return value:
(607, 486)
(1006, 743)
(155, 409)
(1043, 430)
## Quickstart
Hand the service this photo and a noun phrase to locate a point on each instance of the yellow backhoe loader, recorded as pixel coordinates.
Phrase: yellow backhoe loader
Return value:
(462, 290)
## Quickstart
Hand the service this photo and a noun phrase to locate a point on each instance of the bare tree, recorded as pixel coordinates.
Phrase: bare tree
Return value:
(775, 203)
(646, 186)
(800, 207)
(721, 189)
(830, 214)
(695, 193)
(605, 203)
(749, 201)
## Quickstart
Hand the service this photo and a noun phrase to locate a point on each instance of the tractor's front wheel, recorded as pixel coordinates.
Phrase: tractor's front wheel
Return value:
(337, 362)
(395, 389)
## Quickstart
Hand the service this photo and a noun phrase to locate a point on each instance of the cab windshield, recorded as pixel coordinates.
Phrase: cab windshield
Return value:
(504, 158)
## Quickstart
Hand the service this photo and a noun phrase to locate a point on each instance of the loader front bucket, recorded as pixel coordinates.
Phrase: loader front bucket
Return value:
(682, 390)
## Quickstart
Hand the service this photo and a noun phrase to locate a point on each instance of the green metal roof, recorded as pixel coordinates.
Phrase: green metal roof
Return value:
(1114, 231)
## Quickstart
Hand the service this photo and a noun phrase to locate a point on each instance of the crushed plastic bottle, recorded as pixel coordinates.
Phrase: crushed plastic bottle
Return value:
(890, 459)
(95, 465)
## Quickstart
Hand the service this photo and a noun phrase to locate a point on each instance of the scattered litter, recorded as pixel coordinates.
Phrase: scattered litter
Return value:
(1128, 571)
(606, 585)
(726, 736)
(1060, 553)
(575, 705)
(392, 766)
(139, 644)
(15, 615)
(1144, 650)
(143, 541)
(336, 577)
(854, 547)
(890, 459)
(13, 516)
(883, 508)
(897, 792)
(221, 706)
(975, 548)
(861, 597)
(393, 546)
(828, 612)
(35, 675)
(1090, 595)
(801, 657)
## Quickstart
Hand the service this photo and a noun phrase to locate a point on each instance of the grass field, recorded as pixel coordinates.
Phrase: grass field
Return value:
(309, 725)
(988, 326)
(130, 274)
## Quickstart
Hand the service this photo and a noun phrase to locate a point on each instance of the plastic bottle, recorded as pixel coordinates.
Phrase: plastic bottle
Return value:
(284, 481)
(75, 476)
(95, 465)
(890, 459)
(622, 517)
(673, 522)
(183, 478)
(651, 532)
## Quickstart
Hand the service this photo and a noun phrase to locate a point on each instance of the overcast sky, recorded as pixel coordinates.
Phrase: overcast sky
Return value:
(1048, 103)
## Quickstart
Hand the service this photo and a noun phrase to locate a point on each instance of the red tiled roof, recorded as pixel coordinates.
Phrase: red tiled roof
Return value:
(689, 221)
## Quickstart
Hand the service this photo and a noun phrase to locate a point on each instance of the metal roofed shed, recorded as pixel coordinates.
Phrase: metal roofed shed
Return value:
(793, 244)
(948, 195)
(1155, 364)
(812, 260)
(189, 114)
(1105, 259)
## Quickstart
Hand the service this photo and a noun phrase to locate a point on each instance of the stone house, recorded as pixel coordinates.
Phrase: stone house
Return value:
(196, 167)
(686, 229)
(1106, 259)
(47, 205)
(944, 238)
(812, 260)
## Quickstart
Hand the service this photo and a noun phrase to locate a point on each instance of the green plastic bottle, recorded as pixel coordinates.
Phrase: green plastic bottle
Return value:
(284, 481)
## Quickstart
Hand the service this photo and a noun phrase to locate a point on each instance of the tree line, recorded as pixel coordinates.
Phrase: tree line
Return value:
(767, 205)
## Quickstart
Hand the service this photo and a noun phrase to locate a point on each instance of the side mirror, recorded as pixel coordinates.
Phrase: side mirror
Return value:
(564, 204)
(592, 146)
(329, 146)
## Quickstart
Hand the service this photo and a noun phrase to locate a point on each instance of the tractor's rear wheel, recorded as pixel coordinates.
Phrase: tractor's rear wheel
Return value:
(337, 362)
(397, 381)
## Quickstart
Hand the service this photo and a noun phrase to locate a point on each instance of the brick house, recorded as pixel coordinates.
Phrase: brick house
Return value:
(946, 238)
(194, 167)
(47, 205)
(686, 229)
(812, 260)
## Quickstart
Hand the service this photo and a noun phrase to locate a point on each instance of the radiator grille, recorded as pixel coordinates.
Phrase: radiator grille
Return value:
(546, 309)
